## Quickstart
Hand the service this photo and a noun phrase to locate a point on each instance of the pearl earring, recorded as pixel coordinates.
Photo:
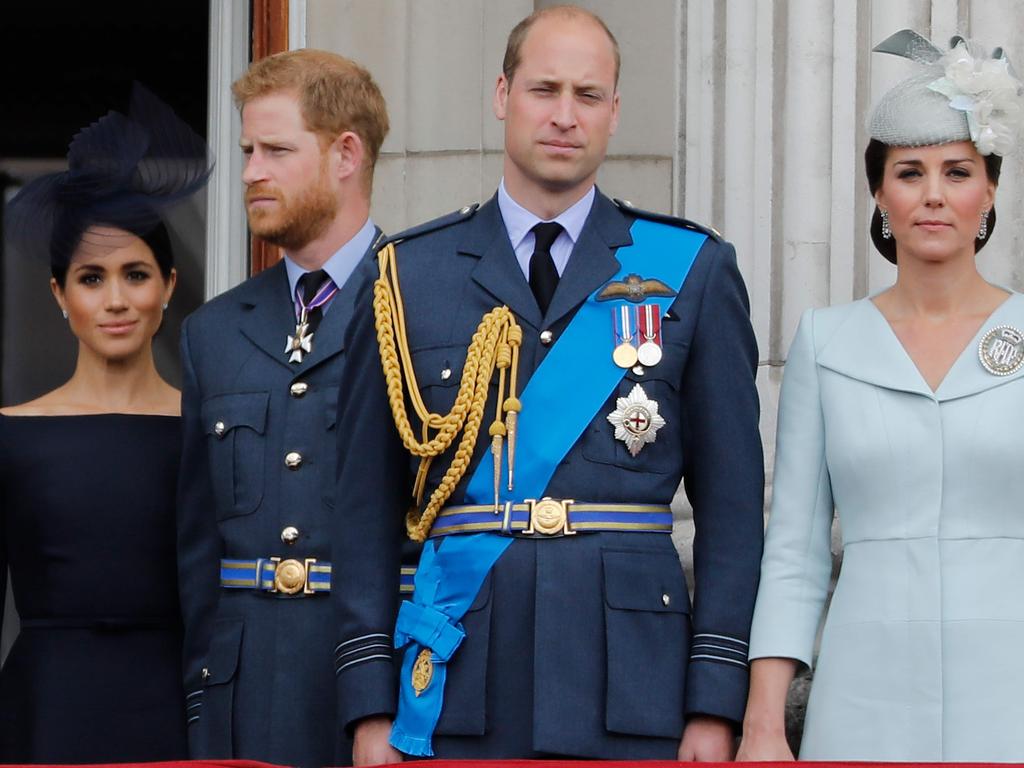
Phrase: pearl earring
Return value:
(64, 314)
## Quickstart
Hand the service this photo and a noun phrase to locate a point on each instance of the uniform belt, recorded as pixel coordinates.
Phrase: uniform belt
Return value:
(408, 575)
(288, 576)
(552, 517)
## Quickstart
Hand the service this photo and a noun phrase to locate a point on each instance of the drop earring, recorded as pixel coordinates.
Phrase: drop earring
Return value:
(886, 231)
(983, 227)
(64, 314)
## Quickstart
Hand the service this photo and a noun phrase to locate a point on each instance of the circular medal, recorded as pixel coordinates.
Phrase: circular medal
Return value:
(624, 355)
(1002, 350)
(649, 353)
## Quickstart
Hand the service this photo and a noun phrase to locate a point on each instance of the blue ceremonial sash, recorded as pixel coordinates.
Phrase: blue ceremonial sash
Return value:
(452, 571)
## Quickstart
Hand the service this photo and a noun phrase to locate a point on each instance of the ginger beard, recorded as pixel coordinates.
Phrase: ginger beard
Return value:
(294, 222)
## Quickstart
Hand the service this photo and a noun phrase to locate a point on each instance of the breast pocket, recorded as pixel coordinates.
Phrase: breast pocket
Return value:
(647, 631)
(235, 425)
(438, 374)
(660, 391)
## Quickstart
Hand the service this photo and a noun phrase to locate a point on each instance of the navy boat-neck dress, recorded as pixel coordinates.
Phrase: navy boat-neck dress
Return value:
(88, 533)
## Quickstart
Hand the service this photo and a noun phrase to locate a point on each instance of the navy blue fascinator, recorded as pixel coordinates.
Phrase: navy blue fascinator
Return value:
(123, 172)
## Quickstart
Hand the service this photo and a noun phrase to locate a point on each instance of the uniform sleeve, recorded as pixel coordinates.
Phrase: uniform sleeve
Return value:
(797, 562)
(199, 548)
(724, 481)
(366, 529)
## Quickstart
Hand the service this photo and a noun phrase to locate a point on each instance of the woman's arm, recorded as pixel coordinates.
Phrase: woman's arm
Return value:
(764, 724)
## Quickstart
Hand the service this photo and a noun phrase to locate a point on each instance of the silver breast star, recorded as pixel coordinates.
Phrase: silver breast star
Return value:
(636, 420)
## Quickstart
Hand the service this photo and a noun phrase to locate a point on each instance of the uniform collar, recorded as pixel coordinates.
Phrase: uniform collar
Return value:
(342, 264)
(519, 221)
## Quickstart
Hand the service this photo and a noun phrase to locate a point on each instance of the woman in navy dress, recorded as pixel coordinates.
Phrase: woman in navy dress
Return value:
(88, 471)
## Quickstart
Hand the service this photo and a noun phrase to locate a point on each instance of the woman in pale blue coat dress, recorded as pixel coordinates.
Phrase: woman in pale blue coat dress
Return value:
(904, 412)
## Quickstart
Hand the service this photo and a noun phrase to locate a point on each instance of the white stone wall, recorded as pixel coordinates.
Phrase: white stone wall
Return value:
(747, 115)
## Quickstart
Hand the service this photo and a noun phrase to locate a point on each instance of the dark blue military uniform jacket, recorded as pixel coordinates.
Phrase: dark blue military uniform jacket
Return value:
(585, 645)
(266, 692)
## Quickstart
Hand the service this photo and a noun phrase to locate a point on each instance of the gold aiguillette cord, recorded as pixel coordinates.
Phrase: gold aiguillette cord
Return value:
(495, 344)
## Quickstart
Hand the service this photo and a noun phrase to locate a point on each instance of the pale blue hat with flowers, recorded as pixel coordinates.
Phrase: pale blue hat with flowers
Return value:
(959, 95)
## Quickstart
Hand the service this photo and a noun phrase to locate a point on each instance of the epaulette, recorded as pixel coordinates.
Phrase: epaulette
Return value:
(675, 221)
(464, 213)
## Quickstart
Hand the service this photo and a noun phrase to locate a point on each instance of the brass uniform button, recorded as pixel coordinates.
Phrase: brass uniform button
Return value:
(546, 337)
(298, 389)
(293, 460)
(446, 374)
(219, 429)
(289, 534)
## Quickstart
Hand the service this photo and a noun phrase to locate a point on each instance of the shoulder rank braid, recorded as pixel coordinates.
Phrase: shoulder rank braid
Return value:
(495, 344)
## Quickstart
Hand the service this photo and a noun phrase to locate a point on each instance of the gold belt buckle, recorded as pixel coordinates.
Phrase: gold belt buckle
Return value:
(292, 576)
(549, 517)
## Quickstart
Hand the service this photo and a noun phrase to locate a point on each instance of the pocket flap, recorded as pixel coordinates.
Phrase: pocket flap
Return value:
(644, 580)
(222, 413)
(222, 658)
(439, 366)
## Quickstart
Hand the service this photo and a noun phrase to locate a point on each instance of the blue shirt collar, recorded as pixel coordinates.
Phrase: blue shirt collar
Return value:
(519, 221)
(342, 264)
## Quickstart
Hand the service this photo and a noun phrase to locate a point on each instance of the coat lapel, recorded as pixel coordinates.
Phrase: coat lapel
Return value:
(329, 339)
(268, 316)
(593, 261)
(865, 348)
(968, 376)
(591, 264)
(498, 272)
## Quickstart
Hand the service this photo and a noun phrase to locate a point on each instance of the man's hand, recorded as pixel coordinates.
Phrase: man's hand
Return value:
(707, 740)
(370, 745)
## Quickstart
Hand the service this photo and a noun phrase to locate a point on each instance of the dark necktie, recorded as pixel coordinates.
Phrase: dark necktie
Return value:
(543, 275)
(308, 287)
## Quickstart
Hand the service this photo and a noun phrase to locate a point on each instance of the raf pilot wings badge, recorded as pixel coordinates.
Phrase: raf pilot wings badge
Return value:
(634, 289)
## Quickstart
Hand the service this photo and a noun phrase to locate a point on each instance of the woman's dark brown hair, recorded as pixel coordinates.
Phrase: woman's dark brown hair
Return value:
(874, 165)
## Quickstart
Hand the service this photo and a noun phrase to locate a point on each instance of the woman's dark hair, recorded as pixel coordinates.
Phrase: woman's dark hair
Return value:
(154, 235)
(874, 165)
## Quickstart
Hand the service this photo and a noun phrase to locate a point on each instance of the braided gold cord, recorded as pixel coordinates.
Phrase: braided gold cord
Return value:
(495, 343)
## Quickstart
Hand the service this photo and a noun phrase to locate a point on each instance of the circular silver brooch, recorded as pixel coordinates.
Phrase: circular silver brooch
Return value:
(1001, 350)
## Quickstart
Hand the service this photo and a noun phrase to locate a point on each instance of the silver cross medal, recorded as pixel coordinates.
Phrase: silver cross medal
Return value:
(301, 343)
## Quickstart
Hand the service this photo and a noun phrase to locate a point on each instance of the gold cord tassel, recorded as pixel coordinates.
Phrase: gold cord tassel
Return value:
(497, 435)
(512, 406)
(495, 344)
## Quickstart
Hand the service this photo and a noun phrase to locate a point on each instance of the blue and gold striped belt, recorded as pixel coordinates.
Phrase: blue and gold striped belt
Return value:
(290, 576)
(553, 517)
(273, 574)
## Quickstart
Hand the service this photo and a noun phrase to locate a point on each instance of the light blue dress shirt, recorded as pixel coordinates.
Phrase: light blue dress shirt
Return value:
(519, 222)
(341, 265)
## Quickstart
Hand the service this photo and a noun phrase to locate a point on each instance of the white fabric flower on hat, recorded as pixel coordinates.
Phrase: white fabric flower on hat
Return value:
(988, 93)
